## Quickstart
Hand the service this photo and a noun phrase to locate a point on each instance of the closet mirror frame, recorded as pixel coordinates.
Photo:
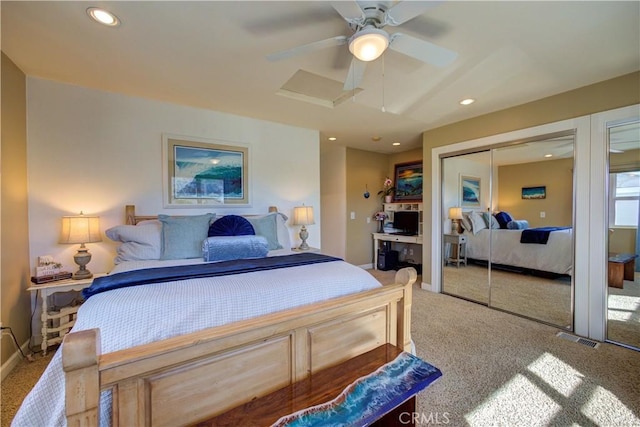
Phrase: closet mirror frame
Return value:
(490, 200)
(580, 126)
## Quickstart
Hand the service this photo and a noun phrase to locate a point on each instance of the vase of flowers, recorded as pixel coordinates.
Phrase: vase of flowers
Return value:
(380, 216)
(387, 190)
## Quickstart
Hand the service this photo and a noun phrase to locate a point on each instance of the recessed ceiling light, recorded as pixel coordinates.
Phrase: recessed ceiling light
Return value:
(396, 143)
(467, 101)
(103, 17)
(332, 138)
(548, 155)
(376, 138)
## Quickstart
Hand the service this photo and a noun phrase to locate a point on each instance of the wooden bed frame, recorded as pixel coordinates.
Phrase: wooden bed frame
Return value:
(188, 378)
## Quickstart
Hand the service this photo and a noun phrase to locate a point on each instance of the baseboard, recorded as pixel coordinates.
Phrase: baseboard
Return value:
(426, 286)
(13, 361)
(366, 266)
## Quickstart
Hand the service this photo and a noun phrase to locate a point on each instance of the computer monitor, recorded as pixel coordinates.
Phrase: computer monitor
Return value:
(406, 222)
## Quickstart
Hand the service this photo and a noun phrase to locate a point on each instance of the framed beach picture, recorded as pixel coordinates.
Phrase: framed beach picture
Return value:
(200, 172)
(469, 191)
(534, 192)
(408, 182)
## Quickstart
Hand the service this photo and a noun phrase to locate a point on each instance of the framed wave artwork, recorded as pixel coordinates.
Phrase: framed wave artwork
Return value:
(204, 173)
(470, 191)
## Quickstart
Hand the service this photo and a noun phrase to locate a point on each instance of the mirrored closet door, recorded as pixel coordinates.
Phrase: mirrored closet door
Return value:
(623, 299)
(517, 214)
(465, 186)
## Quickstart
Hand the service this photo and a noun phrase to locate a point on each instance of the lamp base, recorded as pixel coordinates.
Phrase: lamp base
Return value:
(82, 258)
(454, 226)
(304, 235)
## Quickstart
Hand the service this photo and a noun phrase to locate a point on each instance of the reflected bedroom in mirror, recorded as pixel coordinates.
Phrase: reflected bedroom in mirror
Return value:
(515, 234)
(623, 290)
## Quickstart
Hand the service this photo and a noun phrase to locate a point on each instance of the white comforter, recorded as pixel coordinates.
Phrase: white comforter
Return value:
(142, 314)
(556, 256)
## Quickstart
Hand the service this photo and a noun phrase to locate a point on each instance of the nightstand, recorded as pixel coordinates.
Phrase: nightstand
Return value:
(458, 244)
(56, 324)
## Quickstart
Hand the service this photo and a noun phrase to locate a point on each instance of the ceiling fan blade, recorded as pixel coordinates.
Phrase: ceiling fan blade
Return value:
(306, 48)
(407, 10)
(349, 10)
(356, 73)
(422, 50)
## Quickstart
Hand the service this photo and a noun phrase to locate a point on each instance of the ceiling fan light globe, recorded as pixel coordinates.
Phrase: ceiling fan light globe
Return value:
(368, 44)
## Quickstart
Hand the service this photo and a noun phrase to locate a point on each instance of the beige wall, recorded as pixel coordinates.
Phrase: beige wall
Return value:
(365, 170)
(555, 175)
(619, 92)
(333, 181)
(14, 231)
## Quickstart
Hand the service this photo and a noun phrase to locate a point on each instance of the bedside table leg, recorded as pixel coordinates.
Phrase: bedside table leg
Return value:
(44, 319)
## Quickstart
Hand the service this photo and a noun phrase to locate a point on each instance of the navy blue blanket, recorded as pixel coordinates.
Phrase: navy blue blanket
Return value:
(538, 235)
(182, 272)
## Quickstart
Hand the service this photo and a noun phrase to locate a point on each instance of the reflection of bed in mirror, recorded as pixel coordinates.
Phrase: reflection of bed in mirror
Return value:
(556, 256)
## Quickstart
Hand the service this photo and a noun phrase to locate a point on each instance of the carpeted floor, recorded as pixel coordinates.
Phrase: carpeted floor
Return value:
(545, 299)
(498, 369)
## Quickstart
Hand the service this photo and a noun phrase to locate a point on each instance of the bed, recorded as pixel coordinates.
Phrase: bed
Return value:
(183, 350)
(556, 256)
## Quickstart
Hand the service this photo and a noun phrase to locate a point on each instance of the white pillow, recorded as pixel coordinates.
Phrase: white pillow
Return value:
(477, 222)
(465, 222)
(139, 242)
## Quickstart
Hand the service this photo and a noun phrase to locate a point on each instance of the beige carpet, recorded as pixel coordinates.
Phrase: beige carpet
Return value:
(623, 323)
(498, 369)
(545, 299)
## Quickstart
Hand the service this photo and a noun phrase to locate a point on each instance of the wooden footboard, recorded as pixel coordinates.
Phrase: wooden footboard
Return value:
(182, 380)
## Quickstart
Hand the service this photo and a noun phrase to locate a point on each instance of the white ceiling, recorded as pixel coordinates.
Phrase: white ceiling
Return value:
(211, 54)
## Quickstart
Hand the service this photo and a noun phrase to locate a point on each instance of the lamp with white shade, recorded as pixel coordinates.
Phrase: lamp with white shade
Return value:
(81, 229)
(303, 215)
(455, 214)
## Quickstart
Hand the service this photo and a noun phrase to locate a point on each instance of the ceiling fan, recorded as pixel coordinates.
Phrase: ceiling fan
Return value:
(369, 40)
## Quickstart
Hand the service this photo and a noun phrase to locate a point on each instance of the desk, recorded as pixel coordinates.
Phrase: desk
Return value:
(377, 237)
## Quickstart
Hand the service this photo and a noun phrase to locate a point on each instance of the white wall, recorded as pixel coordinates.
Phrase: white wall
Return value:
(95, 152)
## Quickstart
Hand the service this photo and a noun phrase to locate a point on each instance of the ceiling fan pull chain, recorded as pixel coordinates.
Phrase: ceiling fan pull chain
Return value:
(383, 109)
(353, 82)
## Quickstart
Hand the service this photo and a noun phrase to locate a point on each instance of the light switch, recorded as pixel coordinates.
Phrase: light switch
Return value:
(353, 215)
(368, 220)
(543, 214)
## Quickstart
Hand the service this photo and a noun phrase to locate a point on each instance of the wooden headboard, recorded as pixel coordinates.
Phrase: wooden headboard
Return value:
(132, 219)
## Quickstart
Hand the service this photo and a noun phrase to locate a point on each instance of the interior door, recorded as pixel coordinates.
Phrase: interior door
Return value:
(623, 290)
(465, 186)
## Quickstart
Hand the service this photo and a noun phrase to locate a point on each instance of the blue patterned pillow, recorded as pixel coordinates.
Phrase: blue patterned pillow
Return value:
(518, 224)
(224, 248)
(231, 225)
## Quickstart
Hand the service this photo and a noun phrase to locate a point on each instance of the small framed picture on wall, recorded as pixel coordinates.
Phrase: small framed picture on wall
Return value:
(408, 182)
(470, 191)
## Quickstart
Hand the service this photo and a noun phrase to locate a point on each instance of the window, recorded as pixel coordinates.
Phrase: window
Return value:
(625, 196)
